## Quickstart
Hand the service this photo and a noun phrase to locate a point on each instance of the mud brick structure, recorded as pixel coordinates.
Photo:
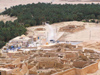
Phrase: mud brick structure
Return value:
(61, 59)
(71, 28)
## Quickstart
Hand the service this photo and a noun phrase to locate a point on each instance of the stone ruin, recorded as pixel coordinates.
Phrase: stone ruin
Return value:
(71, 28)
(62, 59)
(40, 29)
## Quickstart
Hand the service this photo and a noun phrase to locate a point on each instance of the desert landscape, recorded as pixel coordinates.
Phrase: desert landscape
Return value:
(89, 36)
(9, 3)
(61, 48)
(90, 32)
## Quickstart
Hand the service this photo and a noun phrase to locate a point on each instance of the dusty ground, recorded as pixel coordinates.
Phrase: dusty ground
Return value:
(84, 35)
(90, 33)
(87, 34)
(7, 18)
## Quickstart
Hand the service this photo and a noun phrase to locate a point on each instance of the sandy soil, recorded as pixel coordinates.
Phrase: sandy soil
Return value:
(90, 33)
(7, 18)
(84, 35)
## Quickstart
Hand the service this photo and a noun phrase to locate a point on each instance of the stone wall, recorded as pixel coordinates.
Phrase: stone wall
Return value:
(79, 64)
(88, 69)
(70, 55)
(72, 28)
(49, 64)
(40, 29)
(76, 71)
(67, 72)
(17, 61)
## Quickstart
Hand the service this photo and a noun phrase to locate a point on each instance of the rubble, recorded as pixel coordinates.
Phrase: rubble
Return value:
(67, 60)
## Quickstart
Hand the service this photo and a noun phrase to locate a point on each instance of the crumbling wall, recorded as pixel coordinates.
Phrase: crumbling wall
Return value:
(88, 69)
(50, 64)
(24, 69)
(79, 64)
(32, 72)
(67, 72)
(78, 29)
(89, 51)
(76, 71)
(24, 57)
(30, 66)
(83, 57)
(50, 55)
(78, 48)
(17, 61)
(16, 70)
(70, 55)
(71, 28)
(10, 66)
(58, 65)
(46, 64)
(40, 29)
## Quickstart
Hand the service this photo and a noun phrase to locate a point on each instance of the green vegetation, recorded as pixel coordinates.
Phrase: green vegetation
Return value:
(10, 30)
(35, 14)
